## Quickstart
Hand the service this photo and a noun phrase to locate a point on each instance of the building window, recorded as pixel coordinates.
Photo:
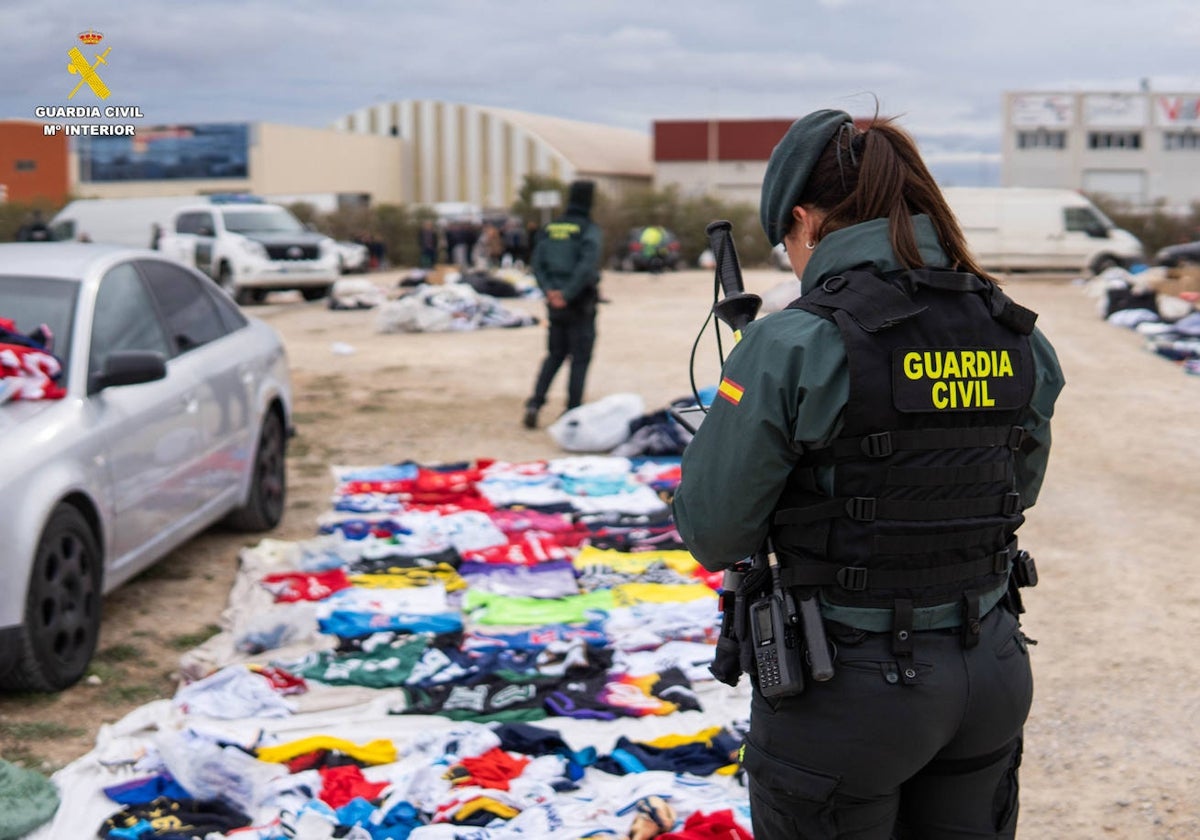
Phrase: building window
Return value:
(26, 165)
(1176, 140)
(1114, 140)
(1041, 139)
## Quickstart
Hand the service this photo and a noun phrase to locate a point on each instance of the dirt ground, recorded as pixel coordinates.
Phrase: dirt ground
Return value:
(1112, 743)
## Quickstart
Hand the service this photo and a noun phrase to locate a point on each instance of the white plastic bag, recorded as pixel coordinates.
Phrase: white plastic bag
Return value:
(597, 426)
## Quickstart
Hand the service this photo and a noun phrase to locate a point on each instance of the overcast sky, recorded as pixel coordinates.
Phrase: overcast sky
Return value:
(941, 65)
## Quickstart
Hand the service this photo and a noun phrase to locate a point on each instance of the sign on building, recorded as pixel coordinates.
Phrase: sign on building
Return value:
(1177, 110)
(1044, 110)
(1124, 110)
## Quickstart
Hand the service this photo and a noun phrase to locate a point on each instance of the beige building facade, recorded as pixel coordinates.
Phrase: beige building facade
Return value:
(477, 155)
(412, 152)
(281, 162)
(1142, 148)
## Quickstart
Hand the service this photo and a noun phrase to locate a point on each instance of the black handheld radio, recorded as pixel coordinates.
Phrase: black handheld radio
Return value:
(778, 655)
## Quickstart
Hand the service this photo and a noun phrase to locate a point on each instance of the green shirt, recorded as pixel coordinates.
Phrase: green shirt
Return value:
(792, 368)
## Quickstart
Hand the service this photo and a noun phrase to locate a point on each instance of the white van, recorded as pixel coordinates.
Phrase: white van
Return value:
(116, 221)
(1029, 229)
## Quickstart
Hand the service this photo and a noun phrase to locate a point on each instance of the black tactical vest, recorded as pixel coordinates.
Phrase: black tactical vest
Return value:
(925, 507)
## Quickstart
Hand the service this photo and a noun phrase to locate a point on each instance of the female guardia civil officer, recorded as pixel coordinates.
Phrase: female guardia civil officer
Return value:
(883, 434)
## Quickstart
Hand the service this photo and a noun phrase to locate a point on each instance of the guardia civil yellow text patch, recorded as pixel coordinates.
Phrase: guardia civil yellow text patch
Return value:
(956, 379)
(562, 230)
(730, 390)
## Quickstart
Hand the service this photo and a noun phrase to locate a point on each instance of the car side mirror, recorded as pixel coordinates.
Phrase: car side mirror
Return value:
(204, 230)
(1097, 231)
(129, 367)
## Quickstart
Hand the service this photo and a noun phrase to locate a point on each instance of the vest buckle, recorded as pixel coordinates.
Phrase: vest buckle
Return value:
(852, 578)
(1000, 562)
(861, 508)
(834, 284)
(1016, 437)
(1012, 504)
(878, 445)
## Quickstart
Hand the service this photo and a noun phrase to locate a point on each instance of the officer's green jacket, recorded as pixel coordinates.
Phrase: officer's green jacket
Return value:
(792, 368)
(567, 255)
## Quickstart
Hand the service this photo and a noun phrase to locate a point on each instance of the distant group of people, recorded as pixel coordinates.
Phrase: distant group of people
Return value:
(470, 245)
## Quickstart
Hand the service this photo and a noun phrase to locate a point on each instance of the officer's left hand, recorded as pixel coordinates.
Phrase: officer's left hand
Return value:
(556, 300)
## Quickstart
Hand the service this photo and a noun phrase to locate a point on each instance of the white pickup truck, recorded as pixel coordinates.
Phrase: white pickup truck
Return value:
(251, 248)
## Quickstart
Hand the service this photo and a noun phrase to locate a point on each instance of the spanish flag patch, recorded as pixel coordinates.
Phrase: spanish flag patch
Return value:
(730, 390)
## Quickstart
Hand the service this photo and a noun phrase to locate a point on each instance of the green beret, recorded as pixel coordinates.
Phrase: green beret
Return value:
(791, 163)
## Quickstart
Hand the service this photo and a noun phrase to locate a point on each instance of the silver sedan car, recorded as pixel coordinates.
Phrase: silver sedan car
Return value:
(176, 414)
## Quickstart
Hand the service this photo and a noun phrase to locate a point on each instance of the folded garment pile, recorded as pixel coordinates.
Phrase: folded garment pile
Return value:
(447, 308)
(1169, 322)
(483, 650)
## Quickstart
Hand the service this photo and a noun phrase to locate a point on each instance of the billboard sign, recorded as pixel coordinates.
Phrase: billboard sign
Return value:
(1177, 110)
(1043, 110)
(1123, 110)
(203, 151)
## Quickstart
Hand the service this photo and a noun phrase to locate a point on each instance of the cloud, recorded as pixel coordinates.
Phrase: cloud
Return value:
(942, 67)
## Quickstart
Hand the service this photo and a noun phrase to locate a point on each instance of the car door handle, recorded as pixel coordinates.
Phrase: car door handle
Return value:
(190, 404)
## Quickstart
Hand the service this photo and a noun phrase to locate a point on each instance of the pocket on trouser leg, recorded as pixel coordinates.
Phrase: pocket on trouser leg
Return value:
(787, 800)
(1005, 803)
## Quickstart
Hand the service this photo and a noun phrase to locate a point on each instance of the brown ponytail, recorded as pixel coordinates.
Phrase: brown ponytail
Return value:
(878, 173)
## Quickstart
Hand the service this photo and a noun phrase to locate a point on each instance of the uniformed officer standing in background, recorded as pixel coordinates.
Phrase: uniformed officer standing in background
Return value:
(882, 435)
(566, 263)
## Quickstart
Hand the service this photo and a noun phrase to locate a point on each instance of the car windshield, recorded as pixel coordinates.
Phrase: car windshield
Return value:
(262, 221)
(30, 302)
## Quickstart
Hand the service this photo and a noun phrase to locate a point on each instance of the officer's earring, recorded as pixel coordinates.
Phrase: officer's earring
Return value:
(810, 244)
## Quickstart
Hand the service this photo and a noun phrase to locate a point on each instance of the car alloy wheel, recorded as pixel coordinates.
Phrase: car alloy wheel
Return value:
(62, 607)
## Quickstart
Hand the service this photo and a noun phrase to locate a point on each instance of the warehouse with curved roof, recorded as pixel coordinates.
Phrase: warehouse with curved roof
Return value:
(454, 152)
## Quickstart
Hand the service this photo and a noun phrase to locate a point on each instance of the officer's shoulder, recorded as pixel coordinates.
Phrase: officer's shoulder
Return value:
(788, 324)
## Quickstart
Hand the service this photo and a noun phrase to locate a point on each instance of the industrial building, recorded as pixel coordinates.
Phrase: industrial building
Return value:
(283, 162)
(1142, 148)
(480, 155)
(409, 152)
(719, 157)
(1139, 147)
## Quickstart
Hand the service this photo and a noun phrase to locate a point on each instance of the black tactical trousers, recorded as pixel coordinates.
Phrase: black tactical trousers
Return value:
(867, 757)
(573, 334)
